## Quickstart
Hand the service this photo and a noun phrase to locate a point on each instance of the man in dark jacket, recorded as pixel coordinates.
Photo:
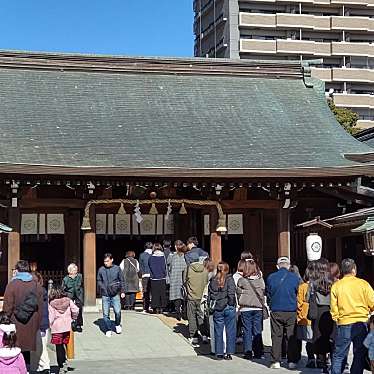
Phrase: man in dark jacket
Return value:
(282, 289)
(146, 274)
(111, 284)
(194, 253)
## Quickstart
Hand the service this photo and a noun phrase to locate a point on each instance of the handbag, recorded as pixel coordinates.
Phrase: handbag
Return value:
(265, 310)
(313, 307)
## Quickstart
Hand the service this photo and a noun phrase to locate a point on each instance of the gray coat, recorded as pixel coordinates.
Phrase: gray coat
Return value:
(177, 265)
(130, 268)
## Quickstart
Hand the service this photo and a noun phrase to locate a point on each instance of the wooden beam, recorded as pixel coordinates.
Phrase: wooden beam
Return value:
(14, 240)
(339, 250)
(215, 247)
(250, 204)
(89, 262)
(52, 203)
(284, 233)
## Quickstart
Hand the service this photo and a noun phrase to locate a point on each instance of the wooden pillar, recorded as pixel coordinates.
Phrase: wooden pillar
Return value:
(14, 239)
(89, 262)
(284, 233)
(215, 247)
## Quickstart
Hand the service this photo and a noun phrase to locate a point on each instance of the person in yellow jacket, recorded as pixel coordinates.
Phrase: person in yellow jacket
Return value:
(352, 300)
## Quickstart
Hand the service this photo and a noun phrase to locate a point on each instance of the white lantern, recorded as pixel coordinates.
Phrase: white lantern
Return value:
(313, 247)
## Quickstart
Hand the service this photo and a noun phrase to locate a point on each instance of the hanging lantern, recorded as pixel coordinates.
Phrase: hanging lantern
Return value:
(313, 247)
(153, 209)
(121, 210)
(183, 209)
(367, 229)
(168, 211)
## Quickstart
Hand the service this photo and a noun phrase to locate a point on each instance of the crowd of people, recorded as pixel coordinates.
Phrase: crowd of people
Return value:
(32, 317)
(328, 308)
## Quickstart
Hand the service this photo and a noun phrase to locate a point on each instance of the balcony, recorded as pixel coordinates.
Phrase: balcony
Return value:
(352, 49)
(258, 46)
(354, 100)
(257, 20)
(365, 124)
(303, 21)
(322, 73)
(352, 75)
(352, 23)
(306, 47)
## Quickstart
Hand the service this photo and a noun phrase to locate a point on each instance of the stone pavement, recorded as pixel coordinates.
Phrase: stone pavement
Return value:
(151, 344)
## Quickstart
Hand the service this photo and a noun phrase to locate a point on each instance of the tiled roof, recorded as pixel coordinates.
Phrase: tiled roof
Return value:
(121, 122)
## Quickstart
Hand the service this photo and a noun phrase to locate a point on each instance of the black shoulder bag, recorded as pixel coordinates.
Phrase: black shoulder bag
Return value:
(28, 307)
(313, 307)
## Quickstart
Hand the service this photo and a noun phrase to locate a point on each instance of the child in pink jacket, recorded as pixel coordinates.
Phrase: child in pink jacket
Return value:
(11, 358)
(62, 311)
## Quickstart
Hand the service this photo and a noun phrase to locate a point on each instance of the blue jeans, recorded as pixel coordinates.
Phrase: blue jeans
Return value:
(114, 302)
(227, 319)
(252, 330)
(346, 334)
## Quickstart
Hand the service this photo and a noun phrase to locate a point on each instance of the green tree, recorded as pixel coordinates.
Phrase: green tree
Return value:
(346, 117)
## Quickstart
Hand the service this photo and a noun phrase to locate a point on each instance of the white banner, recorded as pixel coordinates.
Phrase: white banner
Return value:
(169, 225)
(206, 224)
(100, 224)
(148, 225)
(55, 224)
(235, 224)
(123, 224)
(29, 224)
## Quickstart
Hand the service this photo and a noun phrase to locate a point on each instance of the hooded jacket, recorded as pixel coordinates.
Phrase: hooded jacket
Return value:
(12, 361)
(61, 313)
(247, 296)
(194, 255)
(196, 279)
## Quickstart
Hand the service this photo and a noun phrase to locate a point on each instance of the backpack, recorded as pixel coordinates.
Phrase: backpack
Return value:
(28, 307)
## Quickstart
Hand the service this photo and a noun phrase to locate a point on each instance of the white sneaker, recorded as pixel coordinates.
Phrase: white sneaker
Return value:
(119, 329)
(108, 334)
(292, 365)
(194, 342)
(275, 365)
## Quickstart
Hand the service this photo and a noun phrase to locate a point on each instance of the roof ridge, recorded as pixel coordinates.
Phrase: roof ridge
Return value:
(156, 65)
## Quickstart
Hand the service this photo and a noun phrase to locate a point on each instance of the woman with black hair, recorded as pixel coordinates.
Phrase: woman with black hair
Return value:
(319, 312)
(11, 358)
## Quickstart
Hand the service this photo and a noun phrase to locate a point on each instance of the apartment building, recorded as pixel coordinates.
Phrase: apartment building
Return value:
(341, 32)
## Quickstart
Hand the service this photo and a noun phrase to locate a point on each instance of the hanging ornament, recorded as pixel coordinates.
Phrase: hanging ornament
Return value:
(153, 209)
(168, 211)
(182, 210)
(138, 213)
(121, 210)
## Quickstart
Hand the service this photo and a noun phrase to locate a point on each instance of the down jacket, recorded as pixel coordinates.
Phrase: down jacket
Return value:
(61, 313)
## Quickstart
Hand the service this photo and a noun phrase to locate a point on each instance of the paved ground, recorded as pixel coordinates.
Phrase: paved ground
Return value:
(152, 345)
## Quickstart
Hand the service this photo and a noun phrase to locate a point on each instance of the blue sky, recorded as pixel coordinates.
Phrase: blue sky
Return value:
(127, 27)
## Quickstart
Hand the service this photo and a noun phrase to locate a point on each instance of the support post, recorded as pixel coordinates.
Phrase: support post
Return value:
(14, 240)
(89, 263)
(215, 247)
(284, 233)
